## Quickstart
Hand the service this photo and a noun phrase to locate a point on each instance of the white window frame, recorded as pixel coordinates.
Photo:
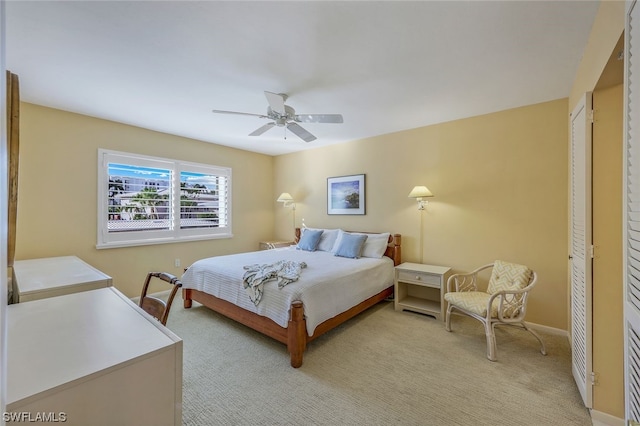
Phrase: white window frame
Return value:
(174, 234)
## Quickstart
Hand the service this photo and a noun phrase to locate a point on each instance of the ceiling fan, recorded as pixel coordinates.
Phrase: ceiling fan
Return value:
(285, 116)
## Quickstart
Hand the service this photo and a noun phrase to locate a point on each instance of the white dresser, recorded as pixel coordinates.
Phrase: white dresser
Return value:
(35, 279)
(94, 358)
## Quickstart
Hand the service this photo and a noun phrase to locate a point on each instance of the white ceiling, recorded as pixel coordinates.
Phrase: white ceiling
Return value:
(385, 66)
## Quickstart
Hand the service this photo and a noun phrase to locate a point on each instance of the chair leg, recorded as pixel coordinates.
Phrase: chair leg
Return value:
(447, 323)
(491, 341)
(543, 350)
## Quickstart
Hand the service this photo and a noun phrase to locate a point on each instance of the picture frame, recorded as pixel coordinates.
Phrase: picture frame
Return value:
(346, 195)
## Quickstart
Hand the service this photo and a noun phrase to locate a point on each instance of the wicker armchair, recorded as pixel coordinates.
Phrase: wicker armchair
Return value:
(504, 302)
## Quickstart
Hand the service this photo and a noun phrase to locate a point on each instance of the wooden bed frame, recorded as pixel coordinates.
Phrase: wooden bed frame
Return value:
(295, 334)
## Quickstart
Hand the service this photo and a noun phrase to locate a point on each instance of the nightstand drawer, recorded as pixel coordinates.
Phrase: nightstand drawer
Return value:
(421, 278)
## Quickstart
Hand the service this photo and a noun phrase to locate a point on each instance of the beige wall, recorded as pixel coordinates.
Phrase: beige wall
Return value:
(499, 182)
(57, 194)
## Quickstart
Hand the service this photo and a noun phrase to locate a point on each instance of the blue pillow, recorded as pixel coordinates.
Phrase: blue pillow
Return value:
(310, 239)
(350, 245)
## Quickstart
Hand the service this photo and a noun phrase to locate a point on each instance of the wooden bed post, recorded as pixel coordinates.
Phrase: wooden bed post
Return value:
(396, 249)
(297, 338)
(186, 296)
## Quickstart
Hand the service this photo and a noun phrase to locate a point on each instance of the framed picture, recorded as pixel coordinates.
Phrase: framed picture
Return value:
(345, 195)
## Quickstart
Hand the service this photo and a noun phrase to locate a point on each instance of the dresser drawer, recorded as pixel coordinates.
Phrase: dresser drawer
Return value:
(421, 278)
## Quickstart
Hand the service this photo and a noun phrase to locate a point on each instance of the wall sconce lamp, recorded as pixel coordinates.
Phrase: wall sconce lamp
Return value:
(420, 192)
(287, 201)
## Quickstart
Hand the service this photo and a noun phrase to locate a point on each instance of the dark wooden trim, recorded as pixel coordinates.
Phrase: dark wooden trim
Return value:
(13, 144)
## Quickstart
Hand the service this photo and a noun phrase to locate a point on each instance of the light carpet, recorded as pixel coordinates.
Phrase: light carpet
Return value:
(382, 367)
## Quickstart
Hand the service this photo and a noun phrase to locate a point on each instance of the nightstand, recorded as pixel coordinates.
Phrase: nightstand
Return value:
(420, 288)
(269, 245)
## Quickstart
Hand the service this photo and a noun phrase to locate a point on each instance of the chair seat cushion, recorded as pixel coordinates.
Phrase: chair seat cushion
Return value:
(473, 301)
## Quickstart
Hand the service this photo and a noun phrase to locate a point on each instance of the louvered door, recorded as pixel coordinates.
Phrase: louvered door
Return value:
(581, 248)
(631, 211)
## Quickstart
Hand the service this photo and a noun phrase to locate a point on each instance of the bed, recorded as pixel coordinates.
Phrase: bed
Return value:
(330, 290)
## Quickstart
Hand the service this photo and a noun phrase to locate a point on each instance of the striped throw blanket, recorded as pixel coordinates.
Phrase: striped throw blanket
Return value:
(285, 271)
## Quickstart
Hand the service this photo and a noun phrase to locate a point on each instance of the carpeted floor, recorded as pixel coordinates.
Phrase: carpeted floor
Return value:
(381, 368)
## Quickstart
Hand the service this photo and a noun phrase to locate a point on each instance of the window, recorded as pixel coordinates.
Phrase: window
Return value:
(148, 200)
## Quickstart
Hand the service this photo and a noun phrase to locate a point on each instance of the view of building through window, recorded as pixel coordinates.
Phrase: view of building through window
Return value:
(150, 200)
(141, 198)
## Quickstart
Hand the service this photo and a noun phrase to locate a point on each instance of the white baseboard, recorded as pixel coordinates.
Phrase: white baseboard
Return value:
(536, 327)
(598, 418)
(549, 330)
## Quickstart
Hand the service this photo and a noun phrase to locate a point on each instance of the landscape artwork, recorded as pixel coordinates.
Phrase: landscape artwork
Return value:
(346, 195)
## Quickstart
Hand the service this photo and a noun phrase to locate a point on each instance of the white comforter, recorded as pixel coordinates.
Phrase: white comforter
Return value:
(328, 286)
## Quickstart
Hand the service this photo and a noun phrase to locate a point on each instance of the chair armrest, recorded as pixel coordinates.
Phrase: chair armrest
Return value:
(462, 282)
(512, 304)
(165, 276)
(466, 282)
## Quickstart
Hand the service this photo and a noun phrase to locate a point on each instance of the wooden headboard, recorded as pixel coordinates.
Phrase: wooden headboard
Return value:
(394, 249)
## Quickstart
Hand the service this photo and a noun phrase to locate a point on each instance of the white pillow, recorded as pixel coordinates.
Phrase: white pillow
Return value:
(337, 242)
(375, 245)
(327, 239)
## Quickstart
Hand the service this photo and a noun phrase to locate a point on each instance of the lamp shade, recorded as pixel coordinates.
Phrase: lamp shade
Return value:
(285, 197)
(420, 192)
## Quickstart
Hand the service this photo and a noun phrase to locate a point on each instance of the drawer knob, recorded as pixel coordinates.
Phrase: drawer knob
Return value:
(418, 277)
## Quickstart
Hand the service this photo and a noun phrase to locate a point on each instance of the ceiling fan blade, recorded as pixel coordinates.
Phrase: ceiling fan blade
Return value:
(262, 129)
(276, 102)
(318, 118)
(300, 132)
(218, 111)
